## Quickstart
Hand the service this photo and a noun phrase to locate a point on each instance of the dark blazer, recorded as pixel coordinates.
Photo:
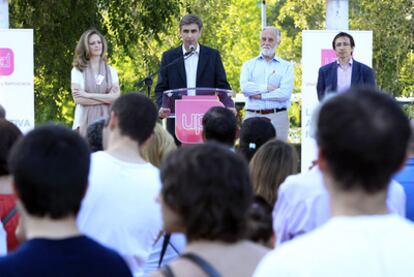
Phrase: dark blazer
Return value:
(328, 77)
(210, 73)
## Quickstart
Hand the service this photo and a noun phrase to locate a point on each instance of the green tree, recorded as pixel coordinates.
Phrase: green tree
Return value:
(59, 24)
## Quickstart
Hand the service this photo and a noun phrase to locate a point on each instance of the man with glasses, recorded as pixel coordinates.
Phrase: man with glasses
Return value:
(345, 72)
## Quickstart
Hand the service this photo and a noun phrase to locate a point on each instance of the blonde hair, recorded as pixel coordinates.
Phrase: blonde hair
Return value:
(81, 57)
(270, 166)
(161, 144)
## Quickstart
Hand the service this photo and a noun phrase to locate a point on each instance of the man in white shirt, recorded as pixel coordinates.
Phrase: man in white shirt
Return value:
(120, 208)
(362, 137)
(267, 83)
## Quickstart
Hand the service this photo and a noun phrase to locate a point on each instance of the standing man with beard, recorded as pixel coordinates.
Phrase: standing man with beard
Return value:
(267, 83)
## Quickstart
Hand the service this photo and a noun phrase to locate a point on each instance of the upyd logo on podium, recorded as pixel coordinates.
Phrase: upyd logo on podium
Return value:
(189, 113)
(6, 61)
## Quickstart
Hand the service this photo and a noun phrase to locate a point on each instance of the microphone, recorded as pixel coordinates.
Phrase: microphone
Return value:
(192, 49)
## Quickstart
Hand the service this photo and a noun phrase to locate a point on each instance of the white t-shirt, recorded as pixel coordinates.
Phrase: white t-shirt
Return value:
(177, 244)
(120, 209)
(77, 78)
(379, 245)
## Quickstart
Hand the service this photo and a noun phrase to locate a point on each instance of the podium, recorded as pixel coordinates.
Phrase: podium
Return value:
(188, 106)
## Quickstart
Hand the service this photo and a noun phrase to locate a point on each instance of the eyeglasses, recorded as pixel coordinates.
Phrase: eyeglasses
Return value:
(339, 44)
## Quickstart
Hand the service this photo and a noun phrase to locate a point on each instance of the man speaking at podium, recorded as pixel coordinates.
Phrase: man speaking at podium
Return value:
(197, 66)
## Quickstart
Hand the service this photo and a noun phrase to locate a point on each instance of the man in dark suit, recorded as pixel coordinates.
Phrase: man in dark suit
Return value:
(202, 68)
(345, 72)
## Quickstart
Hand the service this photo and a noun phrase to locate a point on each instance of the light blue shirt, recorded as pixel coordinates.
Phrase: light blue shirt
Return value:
(257, 74)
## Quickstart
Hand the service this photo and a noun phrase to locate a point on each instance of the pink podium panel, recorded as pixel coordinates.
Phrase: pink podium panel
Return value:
(189, 113)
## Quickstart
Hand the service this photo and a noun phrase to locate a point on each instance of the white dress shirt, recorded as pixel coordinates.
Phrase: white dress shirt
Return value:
(257, 74)
(190, 64)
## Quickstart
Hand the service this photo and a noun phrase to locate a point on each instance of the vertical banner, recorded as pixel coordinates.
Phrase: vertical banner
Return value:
(317, 51)
(16, 76)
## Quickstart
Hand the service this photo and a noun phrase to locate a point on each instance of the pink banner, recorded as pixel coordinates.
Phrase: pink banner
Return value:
(328, 56)
(189, 113)
(6, 61)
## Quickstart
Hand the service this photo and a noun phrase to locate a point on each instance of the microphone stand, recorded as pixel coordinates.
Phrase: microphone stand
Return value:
(148, 81)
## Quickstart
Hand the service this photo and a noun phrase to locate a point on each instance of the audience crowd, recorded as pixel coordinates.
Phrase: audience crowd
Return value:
(123, 200)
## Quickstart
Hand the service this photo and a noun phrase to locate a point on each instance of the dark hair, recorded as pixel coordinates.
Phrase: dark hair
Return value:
(2, 112)
(255, 132)
(9, 134)
(411, 143)
(270, 166)
(50, 167)
(191, 19)
(343, 34)
(94, 135)
(260, 222)
(136, 116)
(209, 187)
(363, 135)
(220, 124)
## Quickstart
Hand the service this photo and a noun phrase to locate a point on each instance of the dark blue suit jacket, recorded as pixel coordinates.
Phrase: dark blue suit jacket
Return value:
(328, 77)
(210, 73)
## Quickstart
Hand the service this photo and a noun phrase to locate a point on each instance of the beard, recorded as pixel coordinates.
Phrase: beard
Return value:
(268, 52)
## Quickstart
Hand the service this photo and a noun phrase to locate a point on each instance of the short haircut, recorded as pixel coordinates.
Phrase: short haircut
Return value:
(343, 34)
(260, 221)
(275, 30)
(50, 167)
(363, 135)
(220, 124)
(209, 187)
(270, 166)
(2, 112)
(161, 144)
(136, 116)
(9, 133)
(191, 19)
(255, 132)
(94, 135)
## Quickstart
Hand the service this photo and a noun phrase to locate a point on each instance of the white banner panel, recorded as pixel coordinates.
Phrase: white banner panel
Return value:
(317, 51)
(16, 76)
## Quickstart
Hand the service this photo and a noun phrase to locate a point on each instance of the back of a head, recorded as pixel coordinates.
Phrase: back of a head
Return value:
(2, 112)
(50, 167)
(161, 144)
(270, 166)
(94, 135)
(363, 136)
(9, 133)
(255, 132)
(411, 143)
(260, 222)
(220, 125)
(136, 116)
(209, 187)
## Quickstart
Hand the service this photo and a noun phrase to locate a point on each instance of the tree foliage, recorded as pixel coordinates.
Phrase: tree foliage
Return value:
(138, 31)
